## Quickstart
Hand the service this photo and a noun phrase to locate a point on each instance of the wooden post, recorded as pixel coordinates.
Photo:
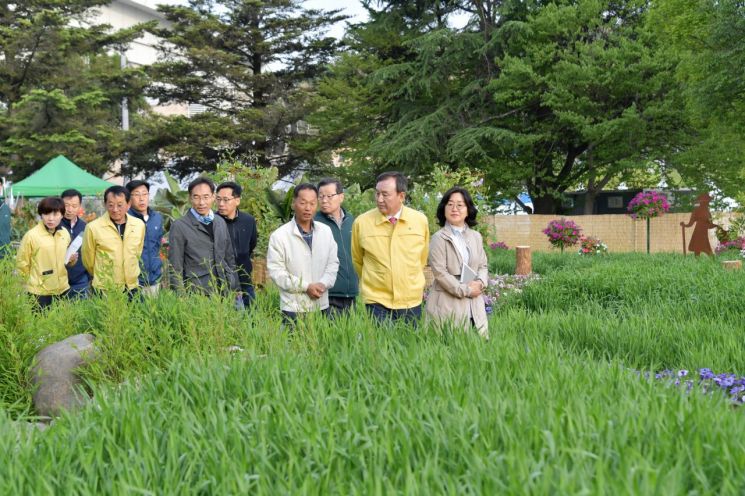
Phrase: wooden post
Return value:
(523, 264)
(732, 264)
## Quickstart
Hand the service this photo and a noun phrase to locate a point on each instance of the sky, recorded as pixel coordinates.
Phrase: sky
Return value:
(352, 8)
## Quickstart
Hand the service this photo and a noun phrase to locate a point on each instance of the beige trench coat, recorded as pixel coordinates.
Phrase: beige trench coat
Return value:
(449, 298)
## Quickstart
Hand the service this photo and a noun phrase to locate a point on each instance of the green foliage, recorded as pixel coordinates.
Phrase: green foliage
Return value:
(257, 198)
(60, 90)
(544, 98)
(172, 202)
(708, 37)
(425, 196)
(549, 405)
(357, 201)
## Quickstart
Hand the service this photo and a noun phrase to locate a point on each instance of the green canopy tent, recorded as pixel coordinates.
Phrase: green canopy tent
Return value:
(55, 177)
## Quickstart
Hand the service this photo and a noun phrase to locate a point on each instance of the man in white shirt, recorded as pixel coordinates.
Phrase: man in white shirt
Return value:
(302, 258)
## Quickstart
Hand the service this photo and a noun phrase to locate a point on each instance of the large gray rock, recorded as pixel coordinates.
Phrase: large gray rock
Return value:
(57, 385)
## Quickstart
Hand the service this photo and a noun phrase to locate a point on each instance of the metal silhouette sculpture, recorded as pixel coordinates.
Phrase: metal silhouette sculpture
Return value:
(700, 237)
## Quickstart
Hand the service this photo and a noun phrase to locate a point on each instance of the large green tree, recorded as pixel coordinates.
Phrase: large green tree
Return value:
(542, 96)
(250, 64)
(709, 38)
(59, 89)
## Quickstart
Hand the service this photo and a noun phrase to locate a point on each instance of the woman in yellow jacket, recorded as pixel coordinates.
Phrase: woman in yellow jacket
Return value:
(41, 256)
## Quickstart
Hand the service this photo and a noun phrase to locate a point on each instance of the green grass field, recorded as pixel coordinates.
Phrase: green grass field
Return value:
(550, 405)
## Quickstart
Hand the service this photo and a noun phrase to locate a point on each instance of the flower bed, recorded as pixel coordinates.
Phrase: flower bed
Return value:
(502, 284)
(707, 381)
(499, 286)
(736, 244)
(590, 245)
(498, 245)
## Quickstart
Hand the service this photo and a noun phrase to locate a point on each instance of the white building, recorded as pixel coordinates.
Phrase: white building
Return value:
(122, 14)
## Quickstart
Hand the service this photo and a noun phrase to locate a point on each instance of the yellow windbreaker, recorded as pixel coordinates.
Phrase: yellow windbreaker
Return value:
(41, 260)
(111, 260)
(389, 259)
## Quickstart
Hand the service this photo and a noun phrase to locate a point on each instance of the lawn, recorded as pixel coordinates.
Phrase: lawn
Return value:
(551, 404)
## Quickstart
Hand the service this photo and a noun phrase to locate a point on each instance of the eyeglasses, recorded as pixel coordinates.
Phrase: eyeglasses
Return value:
(139, 195)
(327, 197)
(457, 206)
(224, 200)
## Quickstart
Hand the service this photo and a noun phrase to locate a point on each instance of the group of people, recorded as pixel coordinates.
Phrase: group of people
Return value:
(322, 260)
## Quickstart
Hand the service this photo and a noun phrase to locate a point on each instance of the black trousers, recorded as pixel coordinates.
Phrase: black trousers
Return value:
(46, 300)
(339, 305)
(383, 314)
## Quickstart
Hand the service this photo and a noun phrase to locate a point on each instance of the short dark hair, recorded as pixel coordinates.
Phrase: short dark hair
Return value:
(301, 187)
(69, 193)
(234, 187)
(136, 183)
(116, 191)
(330, 180)
(201, 180)
(401, 182)
(472, 210)
(51, 204)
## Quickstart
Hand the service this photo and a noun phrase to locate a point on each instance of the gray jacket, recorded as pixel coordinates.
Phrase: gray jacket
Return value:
(198, 262)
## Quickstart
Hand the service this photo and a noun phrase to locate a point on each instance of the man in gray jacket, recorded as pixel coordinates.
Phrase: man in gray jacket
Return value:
(200, 250)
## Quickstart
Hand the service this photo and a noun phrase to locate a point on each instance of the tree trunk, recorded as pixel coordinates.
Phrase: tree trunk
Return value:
(589, 207)
(546, 205)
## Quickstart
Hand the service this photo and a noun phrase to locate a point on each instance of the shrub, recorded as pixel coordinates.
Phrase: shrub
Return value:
(590, 245)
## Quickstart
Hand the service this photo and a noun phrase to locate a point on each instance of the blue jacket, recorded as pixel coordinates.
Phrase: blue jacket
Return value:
(77, 276)
(151, 265)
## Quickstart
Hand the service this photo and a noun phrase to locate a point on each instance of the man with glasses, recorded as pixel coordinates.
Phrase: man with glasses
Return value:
(112, 245)
(200, 251)
(331, 196)
(152, 267)
(390, 245)
(243, 234)
(77, 276)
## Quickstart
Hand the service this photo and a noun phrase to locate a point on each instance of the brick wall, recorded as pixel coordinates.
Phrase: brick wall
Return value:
(619, 232)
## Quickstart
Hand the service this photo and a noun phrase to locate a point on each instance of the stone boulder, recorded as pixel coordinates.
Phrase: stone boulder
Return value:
(57, 386)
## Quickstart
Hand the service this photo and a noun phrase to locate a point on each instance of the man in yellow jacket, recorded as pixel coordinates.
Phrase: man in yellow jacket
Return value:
(112, 244)
(390, 245)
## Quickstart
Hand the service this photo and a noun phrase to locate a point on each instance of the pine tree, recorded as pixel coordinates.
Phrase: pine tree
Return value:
(59, 88)
(250, 63)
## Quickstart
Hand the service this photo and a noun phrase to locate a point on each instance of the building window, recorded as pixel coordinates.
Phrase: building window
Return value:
(615, 202)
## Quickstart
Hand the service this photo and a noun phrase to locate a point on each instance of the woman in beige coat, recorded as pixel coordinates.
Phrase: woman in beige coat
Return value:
(452, 247)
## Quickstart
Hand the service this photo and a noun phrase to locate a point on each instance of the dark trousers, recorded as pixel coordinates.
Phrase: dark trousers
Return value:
(131, 293)
(383, 314)
(46, 300)
(292, 317)
(79, 293)
(339, 305)
(249, 295)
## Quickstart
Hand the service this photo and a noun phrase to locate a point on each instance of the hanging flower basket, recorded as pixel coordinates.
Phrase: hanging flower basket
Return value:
(648, 205)
(562, 233)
